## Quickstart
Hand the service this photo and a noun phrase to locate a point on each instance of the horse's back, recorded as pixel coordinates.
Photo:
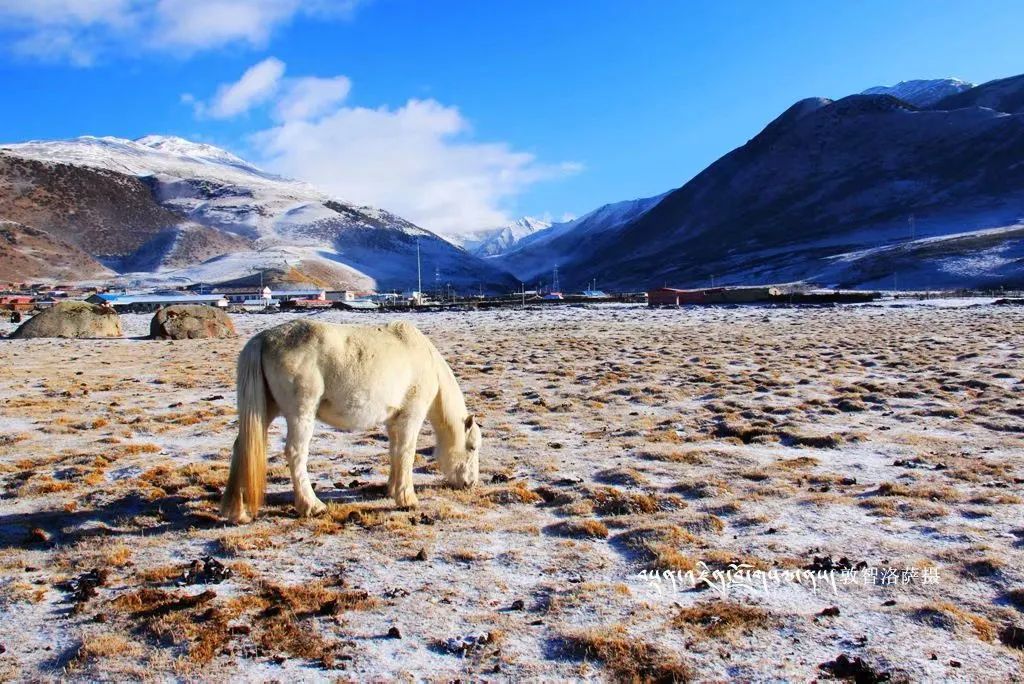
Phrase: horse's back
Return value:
(364, 374)
(305, 336)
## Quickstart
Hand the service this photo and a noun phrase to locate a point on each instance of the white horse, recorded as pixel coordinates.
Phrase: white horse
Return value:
(352, 377)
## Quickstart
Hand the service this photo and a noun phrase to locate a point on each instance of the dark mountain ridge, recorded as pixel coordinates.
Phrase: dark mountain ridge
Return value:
(825, 192)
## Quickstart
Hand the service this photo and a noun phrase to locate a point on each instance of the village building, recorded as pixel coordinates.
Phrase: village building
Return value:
(341, 295)
(19, 303)
(243, 295)
(141, 303)
(670, 296)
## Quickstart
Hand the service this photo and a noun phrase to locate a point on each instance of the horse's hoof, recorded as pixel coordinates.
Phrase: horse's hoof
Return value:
(406, 499)
(236, 515)
(309, 510)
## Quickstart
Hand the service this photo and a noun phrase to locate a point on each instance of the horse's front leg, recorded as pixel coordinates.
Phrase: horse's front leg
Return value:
(296, 450)
(402, 433)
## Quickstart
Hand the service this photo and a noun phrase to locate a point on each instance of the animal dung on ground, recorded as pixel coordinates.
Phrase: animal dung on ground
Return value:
(467, 644)
(206, 571)
(83, 587)
(856, 669)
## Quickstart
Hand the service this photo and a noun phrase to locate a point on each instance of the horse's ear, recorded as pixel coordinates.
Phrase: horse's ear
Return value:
(470, 421)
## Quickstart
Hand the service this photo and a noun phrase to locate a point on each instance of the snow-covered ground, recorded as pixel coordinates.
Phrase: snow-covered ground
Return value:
(618, 441)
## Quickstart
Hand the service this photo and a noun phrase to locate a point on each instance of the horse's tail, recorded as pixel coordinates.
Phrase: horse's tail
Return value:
(247, 480)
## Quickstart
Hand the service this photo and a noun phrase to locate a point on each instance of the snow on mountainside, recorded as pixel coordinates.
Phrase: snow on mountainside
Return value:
(922, 92)
(491, 242)
(538, 253)
(232, 205)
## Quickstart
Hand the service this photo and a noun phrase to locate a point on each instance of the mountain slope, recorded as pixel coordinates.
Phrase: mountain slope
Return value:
(823, 192)
(922, 93)
(535, 255)
(1002, 95)
(164, 209)
(28, 254)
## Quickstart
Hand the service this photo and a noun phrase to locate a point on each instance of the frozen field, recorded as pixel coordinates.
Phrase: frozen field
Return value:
(881, 443)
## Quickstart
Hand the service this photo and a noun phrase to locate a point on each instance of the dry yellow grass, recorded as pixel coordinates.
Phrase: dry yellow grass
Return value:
(627, 657)
(721, 619)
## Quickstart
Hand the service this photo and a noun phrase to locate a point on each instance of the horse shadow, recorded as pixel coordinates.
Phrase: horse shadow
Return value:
(363, 493)
(52, 527)
(172, 513)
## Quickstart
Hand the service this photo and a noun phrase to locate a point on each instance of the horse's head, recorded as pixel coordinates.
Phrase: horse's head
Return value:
(464, 465)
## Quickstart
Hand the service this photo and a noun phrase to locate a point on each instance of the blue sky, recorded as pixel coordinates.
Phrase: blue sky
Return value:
(461, 114)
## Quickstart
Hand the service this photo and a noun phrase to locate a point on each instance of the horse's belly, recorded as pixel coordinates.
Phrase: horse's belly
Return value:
(353, 414)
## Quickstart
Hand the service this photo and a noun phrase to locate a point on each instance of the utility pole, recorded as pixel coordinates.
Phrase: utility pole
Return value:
(913, 227)
(419, 274)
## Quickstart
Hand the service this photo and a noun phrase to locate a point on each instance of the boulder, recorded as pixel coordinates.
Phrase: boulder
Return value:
(72, 319)
(190, 321)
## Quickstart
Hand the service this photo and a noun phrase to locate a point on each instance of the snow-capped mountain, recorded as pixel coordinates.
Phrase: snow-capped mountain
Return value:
(922, 92)
(491, 242)
(166, 205)
(537, 253)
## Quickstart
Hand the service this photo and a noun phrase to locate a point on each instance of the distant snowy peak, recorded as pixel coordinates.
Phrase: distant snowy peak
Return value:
(922, 92)
(527, 225)
(491, 242)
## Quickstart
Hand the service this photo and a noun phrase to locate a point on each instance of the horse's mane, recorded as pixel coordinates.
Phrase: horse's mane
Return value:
(448, 412)
(450, 404)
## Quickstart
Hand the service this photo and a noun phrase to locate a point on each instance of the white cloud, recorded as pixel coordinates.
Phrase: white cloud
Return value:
(67, 12)
(192, 24)
(81, 31)
(65, 30)
(416, 160)
(310, 97)
(256, 86)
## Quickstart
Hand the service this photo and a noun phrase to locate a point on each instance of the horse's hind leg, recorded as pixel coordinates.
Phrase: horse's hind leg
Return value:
(403, 430)
(296, 450)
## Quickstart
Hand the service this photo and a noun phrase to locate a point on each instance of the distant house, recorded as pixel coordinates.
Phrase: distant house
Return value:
(19, 303)
(595, 294)
(289, 295)
(141, 303)
(358, 305)
(341, 295)
(307, 304)
(243, 295)
(669, 296)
